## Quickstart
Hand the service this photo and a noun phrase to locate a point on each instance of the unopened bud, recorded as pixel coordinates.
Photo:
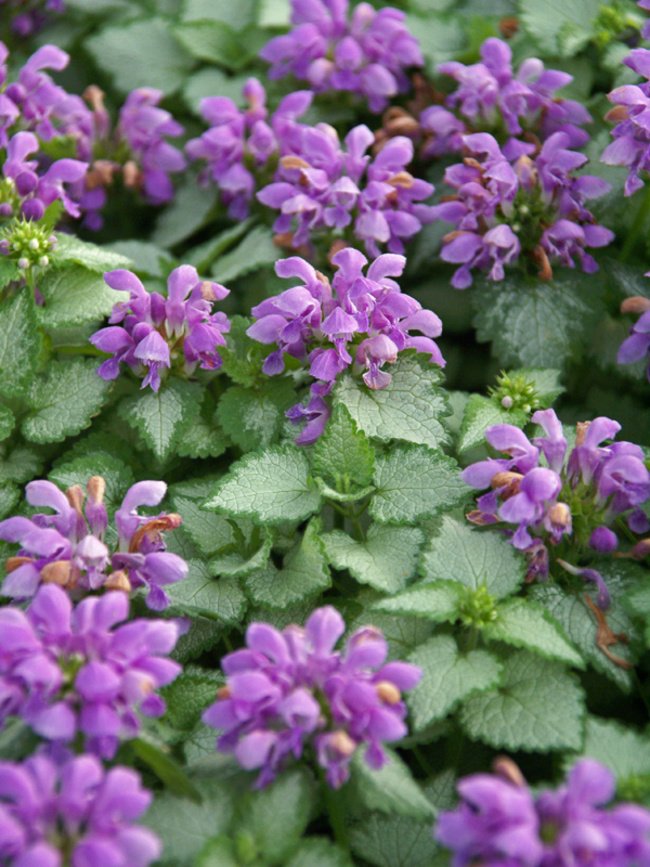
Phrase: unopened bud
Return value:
(342, 743)
(507, 402)
(404, 179)
(405, 125)
(44, 261)
(33, 244)
(293, 162)
(504, 767)
(545, 271)
(57, 573)
(13, 563)
(617, 114)
(118, 580)
(223, 692)
(96, 488)
(75, 496)
(207, 291)
(23, 263)
(560, 515)
(640, 550)
(509, 26)
(388, 692)
(337, 245)
(283, 240)
(94, 96)
(581, 431)
(132, 175)
(637, 304)
(505, 478)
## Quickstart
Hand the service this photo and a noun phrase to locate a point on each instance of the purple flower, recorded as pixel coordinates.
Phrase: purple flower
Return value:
(69, 548)
(360, 321)
(157, 333)
(292, 688)
(321, 188)
(577, 498)
(519, 199)
(489, 95)
(65, 670)
(240, 143)
(637, 345)
(367, 54)
(72, 811)
(500, 824)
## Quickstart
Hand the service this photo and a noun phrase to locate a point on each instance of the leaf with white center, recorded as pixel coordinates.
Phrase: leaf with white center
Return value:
(319, 851)
(414, 483)
(69, 248)
(623, 750)
(555, 24)
(482, 412)
(200, 593)
(385, 559)
(303, 574)
(253, 418)
(474, 557)
(343, 455)
(7, 422)
(271, 487)
(523, 623)
(249, 551)
(391, 789)
(438, 601)
(208, 531)
(539, 707)
(202, 440)
(448, 677)
(20, 343)
(63, 402)
(410, 408)
(162, 417)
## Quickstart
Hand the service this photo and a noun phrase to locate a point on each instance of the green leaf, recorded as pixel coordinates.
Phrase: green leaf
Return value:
(9, 271)
(9, 496)
(166, 769)
(202, 594)
(555, 24)
(448, 677)
(257, 250)
(275, 818)
(63, 402)
(271, 487)
(7, 422)
(204, 255)
(403, 634)
(185, 214)
(439, 601)
(189, 694)
(319, 851)
(209, 532)
(219, 852)
(184, 827)
(539, 707)
(202, 440)
(538, 324)
(21, 465)
(480, 413)
(413, 483)
(249, 551)
(303, 574)
(208, 81)
(546, 381)
(475, 558)
(145, 258)
(242, 356)
(410, 408)
(118, 476)
(343, 455)
(391, 789)
(253, 419)
(623, 750)
(75, 295)
(132, 54)
(161, 418)
(70, 249)
(580, 626)
(385, 559)
(440, 38)
(215, 42)
(394, 841)
(202, 635)
(524, 624)
(236, 15)
(20, 343)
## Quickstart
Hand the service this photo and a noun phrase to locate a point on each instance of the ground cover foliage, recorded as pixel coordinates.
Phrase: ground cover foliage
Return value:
(324, 431)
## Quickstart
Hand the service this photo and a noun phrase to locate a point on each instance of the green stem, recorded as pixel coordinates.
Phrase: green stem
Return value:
(422, 759)
(637, 226)
(336, 817)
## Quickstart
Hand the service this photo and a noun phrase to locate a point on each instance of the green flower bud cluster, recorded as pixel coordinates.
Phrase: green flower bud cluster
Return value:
(28, 243)
(515, 392)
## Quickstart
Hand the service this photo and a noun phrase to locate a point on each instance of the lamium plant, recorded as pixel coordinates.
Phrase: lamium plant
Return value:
(307, 558)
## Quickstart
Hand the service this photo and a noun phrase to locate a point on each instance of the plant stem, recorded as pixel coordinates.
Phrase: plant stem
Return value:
(637, 226)
(336, 817)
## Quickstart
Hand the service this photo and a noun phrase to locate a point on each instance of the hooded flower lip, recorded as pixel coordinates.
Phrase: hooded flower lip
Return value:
(288, 689)
(361, 321)
(156, 334)
(367, 54)
(68, 670)
(68, 547)
(596, 484)
(50, 805)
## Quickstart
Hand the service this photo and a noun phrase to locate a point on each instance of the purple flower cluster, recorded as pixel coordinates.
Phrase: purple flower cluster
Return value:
(499, 822)
(519, 199)
(66, 671)
(367, 55)
(631, 145)
(578, 498)
(240, 141)
(69, 548)
(490, 96)
(178, 331)
(73, 806)
(361, 321)
(290, 689)
(29, 16)
(637, 345)
(321, 187)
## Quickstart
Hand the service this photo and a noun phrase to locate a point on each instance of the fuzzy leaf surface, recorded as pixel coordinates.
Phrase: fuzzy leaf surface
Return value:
(391, 789)
(482, 412)
(162, 417)
(343, 455)
(253, 418)
(19, 343)
(202, 594)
